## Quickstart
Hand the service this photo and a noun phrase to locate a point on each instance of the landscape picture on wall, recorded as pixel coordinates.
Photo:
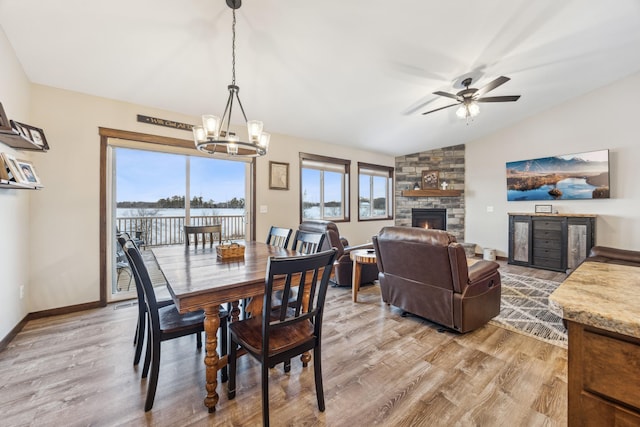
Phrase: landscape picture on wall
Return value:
(567, 177)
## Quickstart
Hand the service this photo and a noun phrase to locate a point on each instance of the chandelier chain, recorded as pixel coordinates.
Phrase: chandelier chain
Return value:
(233, 49)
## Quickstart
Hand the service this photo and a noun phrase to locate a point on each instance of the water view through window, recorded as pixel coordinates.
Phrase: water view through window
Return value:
(151, 191)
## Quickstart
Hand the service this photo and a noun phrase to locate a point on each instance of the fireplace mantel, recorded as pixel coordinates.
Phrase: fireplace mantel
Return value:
(431, 193)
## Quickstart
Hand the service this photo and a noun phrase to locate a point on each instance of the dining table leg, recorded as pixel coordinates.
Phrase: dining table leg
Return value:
(211, 358)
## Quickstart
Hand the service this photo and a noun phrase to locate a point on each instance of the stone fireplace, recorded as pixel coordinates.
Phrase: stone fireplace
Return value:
(435, 219)
(450, 164)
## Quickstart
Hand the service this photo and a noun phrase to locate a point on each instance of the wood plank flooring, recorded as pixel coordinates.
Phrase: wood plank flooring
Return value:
(379, 369)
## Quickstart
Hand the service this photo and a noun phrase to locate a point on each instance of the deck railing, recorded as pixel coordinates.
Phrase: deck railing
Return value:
(169, 230)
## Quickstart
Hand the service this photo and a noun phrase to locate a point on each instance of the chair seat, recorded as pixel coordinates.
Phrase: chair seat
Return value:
(172, 321)
(249, 334)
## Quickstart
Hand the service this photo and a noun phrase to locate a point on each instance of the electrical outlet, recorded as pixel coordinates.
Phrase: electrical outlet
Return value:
(21, 291)
(264, 209)
(489, 208)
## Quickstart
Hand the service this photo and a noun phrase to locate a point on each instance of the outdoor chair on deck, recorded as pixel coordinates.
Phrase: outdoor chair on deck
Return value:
(202, 231)
(164, 321)
(287, 330)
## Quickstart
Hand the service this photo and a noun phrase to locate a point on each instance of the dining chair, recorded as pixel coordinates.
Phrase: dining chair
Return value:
(203, 231)
(141, 325)
(285, 331)
(307, 242)
(279, 236)
(164, 322)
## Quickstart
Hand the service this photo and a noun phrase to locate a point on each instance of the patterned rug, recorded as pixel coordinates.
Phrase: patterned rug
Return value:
(525, 309)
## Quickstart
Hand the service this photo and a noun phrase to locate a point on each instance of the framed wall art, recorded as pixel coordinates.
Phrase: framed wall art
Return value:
(33, 134)
(429, 180)
(12, 168)
(566, 177)
(28, 172)
(278, 176)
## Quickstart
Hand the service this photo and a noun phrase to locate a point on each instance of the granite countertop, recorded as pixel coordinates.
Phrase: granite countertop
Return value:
(606, 296)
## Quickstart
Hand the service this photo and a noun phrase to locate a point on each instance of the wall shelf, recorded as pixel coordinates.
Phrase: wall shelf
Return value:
(18, 186)
(15, 140)
(431, 193)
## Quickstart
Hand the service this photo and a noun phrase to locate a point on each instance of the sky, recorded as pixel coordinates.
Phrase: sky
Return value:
(148, 176)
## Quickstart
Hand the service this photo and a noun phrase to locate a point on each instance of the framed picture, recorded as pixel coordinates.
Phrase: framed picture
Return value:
(28, 172)
(12, 168)
(566, 177)
(544, 209)
(4, 121)
(278, 176)
(22, 131)
(429, 180)
(33, 134)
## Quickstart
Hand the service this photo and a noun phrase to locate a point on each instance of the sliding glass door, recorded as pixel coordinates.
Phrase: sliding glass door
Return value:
(155, 194)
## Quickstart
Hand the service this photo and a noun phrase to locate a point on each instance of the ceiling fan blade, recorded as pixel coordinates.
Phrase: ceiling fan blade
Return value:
(441, 108)
(448, 95)
(499, 98)
(491, 86)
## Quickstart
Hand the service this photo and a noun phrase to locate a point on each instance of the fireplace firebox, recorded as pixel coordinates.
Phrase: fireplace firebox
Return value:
(429, 218)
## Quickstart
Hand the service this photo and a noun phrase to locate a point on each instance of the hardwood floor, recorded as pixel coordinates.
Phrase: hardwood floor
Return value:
(379, 369)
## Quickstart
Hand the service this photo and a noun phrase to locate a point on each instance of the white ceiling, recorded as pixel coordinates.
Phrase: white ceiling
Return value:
(350, 72)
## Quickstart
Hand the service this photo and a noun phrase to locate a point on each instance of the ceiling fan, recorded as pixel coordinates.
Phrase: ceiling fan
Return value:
(469, 97)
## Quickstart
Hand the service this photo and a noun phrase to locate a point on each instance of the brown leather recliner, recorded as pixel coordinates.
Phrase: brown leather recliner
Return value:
(425, 272)
(343, 266)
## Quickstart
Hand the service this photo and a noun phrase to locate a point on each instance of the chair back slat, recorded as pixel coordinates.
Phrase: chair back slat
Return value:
(307, 242)
(279, 236)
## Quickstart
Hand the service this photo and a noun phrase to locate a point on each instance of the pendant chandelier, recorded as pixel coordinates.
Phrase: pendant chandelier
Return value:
(214, 136)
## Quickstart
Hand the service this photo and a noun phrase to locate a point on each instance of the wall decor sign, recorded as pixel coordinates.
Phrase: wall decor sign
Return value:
(164, 122)
(566, 177)
(278, 176)
(544, 209)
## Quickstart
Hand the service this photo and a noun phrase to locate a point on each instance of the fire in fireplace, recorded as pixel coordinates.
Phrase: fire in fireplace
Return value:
(429, 218)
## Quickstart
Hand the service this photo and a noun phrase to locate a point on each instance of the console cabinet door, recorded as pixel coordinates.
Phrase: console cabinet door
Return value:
(519, 240)
(579, 240)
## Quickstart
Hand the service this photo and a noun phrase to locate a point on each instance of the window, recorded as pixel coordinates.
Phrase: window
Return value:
(324, 189)
(375, 190)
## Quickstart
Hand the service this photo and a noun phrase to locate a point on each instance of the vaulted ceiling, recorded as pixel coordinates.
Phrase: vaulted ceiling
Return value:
(350, 72)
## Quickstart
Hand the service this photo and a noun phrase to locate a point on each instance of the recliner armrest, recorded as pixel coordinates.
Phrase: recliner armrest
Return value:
(481, 270)
(355, 247)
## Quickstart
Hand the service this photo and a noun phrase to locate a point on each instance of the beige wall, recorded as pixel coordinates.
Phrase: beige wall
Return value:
(64, 216)
(14, 204)
(603, 119)
(284, 206)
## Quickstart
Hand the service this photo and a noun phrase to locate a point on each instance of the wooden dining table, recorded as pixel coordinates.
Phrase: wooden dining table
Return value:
(198, 279)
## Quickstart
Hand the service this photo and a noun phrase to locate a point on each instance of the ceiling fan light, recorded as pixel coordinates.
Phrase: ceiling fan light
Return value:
(474, 109)
(462, 112)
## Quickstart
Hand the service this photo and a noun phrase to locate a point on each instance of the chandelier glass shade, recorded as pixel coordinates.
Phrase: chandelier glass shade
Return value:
(214, 136)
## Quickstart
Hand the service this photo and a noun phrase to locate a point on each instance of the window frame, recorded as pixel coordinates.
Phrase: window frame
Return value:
(382, 171)
(333, 164)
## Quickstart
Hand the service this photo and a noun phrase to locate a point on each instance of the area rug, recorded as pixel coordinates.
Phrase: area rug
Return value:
(525, 309)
